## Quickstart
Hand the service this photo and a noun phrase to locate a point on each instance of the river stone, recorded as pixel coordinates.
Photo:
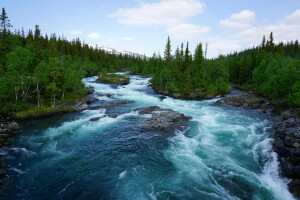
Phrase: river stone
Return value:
(148, 110)
(125, 81)
(163, 120)
(96, 118)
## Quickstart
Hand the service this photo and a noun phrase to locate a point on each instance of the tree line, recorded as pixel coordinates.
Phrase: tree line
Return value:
(41, 70)
(272, 70)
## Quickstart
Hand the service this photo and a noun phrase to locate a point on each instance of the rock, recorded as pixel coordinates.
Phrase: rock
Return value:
(6, 126)
(296, 145)
(113, 116)
(108, 95)
(13, 126)
(176, 95)
(294, 187)
(96, 118)
(148, 110)
(166, 121)
(248, 100)
(111, 105)
(163, 120)
(208, 96)
(124, 81)
(297, 170)
(78, 104)
(90, 90)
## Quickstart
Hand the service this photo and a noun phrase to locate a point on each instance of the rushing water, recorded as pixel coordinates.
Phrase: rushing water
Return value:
(224, 154)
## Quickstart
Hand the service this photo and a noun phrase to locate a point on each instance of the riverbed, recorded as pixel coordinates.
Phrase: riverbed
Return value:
(225, 153)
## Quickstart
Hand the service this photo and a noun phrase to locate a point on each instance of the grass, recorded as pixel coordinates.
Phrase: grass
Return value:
(70, 97)
(42, 111)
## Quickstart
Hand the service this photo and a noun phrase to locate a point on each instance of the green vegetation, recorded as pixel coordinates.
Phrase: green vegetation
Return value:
(271, 70)
(113, 78)
(42, 111)
(187, 74)
(37, 71)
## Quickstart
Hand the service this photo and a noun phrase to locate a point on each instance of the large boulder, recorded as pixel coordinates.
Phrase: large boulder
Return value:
(163, 120)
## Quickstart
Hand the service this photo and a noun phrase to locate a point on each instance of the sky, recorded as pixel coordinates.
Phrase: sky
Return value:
(143, 26)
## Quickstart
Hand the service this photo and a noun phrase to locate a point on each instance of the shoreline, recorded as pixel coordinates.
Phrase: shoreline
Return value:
(285, 133)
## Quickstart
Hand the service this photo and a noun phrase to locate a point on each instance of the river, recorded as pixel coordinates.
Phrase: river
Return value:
(225, 153)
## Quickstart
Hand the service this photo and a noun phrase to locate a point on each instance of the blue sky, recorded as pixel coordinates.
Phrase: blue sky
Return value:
(143, 26)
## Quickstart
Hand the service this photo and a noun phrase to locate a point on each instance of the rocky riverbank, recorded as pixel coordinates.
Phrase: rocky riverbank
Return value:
(163, 120)
(286, 133)
(196, 95)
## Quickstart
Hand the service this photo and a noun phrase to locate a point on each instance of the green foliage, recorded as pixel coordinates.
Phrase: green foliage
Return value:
(271, 70)
(111, 78)
(41, 71)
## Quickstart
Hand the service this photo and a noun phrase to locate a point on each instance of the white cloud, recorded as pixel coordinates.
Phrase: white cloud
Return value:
(190, 31)
(170, 14)
(75, 32)
(94, 35)
(163, 13)
(219, 45)
(283, 30)
(241, 20)
(294, 18)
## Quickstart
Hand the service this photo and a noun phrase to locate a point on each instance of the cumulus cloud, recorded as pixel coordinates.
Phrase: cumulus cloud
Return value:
(170, 14)
(183, 31)
(241, 20)
(94, 35)
(163, 13)
(283, 30)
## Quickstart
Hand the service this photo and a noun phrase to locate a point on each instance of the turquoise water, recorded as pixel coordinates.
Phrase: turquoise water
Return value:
(225, 153)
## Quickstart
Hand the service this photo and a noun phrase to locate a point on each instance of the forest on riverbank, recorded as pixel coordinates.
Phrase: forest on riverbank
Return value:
(41, 71)
(271, 70)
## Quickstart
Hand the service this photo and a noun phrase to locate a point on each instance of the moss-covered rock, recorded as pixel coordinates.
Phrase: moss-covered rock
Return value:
(114, 79)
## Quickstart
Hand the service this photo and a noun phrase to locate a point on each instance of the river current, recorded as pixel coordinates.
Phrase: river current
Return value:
(225, 153)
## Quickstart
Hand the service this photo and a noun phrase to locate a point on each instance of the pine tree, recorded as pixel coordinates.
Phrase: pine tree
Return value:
(5, 40)
(186, 57)
(167, 53)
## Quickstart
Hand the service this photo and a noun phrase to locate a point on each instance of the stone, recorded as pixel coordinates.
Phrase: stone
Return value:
(296, 145)
(163, 120)
(124, 81)
(148, 110)
(96, 118)
(294, 187)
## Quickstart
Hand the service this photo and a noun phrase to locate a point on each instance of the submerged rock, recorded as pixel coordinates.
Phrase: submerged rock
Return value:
(163, 120)
(96, 118)
(111, 105)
